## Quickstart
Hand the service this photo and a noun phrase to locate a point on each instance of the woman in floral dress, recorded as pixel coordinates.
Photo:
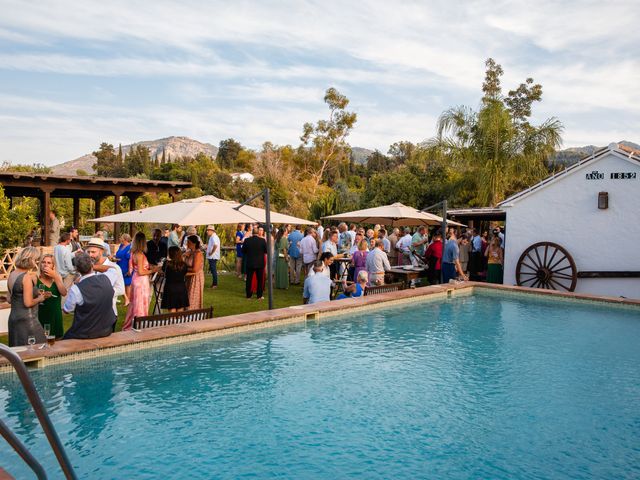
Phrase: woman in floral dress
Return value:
(140, 287)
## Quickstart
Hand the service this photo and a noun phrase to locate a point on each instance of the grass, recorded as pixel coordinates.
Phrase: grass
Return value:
(227, 299)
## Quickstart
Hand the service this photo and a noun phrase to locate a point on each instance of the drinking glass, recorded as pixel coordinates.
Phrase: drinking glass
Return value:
(47, 331)
(31, 340)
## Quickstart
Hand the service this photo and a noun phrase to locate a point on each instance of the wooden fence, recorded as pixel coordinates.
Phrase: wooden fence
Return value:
(7, 264)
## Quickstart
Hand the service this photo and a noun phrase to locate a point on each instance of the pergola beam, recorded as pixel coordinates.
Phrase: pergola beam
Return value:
(45, 187)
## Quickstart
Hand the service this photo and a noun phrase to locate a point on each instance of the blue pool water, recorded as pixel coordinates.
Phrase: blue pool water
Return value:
(473, 387)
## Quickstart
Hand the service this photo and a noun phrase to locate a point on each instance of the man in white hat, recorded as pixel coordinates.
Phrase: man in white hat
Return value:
(102, 265)
(213, 254)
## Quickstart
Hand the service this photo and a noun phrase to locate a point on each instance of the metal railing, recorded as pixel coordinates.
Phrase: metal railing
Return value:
(43, 418)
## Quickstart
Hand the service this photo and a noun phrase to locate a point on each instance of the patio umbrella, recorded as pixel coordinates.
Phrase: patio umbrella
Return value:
(205, 210)
(395, 215)
(259, 215)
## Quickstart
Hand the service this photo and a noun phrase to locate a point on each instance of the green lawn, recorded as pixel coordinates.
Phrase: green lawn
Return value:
(227, 299)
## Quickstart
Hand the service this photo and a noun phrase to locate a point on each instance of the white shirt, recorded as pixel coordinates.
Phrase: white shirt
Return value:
(405, 243)
(214, 240)
(330, 247)
(317, 289)
(352, 234)
(377, 262)
(114, 274)
(325, 271)
(63, 256)
(309, 249)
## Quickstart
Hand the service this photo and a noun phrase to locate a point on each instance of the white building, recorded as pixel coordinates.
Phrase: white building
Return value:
(245, 177)
(592, 209)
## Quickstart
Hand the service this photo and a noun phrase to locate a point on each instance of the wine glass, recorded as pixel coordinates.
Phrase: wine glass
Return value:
(31, 340)
(47, 331)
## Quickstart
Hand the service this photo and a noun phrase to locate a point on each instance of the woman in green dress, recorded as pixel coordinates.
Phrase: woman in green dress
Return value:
(282, 262)
(50, 281)
(495, 258)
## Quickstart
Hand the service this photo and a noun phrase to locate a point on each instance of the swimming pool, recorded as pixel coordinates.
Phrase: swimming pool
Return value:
(480, 386)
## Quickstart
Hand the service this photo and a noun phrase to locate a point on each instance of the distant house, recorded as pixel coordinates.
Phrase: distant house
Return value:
(592, 210)
(245, 177)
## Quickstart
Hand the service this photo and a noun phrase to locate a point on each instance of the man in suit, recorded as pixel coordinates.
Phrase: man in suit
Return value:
(254, 250)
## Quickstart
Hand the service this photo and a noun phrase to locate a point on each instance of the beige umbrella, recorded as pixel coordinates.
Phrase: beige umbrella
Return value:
(205, 210)
(259, 214)
(395, 215)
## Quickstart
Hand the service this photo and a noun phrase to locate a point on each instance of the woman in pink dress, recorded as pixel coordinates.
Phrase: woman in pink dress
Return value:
(359, 259)
(140, 288)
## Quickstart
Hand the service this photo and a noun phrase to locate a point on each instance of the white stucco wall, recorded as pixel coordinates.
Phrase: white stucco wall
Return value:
(566, 212)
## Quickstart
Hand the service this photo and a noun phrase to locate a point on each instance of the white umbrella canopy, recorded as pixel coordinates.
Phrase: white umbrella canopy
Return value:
(259, 214)
(205, 210)
(395, 215)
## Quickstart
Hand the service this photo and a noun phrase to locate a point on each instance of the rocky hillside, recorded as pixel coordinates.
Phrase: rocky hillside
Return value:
(172, 146)
(360, 155)
(569, 156)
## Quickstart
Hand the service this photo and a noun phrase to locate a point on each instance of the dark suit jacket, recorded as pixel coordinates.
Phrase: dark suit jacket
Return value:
(254, 249)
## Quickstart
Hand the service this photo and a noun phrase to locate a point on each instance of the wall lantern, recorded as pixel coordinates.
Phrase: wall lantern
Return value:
(603, 200)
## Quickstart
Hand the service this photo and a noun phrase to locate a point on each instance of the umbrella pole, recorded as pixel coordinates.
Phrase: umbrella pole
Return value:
(444, 237)
(267, 204)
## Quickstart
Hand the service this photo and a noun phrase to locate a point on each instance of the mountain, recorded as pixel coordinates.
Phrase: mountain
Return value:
(173, 147)
(569, 156)
(360, 155)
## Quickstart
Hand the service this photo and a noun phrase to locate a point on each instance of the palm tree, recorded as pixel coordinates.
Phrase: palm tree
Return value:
(497, 148)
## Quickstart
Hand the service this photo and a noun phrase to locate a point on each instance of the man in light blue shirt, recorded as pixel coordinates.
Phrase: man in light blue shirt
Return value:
(451, 267)
(295, 257)
(174, 236)
(317, 288)
(64, 261)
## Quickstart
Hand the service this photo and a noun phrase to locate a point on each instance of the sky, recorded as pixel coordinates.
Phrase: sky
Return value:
(74, 74)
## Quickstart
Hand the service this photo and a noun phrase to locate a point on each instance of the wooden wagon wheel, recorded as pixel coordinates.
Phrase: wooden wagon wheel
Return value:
(547, 265)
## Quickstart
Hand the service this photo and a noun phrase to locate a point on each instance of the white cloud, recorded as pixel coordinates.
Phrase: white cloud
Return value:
(257, 70)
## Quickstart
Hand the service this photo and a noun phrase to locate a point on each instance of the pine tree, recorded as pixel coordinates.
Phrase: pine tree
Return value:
(164, 156)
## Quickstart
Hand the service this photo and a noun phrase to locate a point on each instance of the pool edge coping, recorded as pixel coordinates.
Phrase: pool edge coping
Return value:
(77, 350)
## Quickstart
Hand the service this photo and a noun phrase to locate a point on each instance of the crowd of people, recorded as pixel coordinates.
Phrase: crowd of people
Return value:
(346, 254)
(340, 261)
(85, 280)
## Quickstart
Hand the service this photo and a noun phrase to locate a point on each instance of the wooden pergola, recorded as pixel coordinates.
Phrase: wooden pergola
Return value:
(45, 187)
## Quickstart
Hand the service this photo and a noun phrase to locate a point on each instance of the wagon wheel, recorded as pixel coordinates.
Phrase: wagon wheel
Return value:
(547, 265)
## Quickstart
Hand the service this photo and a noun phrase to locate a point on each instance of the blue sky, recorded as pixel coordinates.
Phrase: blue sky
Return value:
(74, 74)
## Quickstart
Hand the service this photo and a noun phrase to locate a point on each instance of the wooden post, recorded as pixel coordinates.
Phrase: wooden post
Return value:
(132, 206)
(46, 209)
(98, 201)
(76, 212)
(116, 210)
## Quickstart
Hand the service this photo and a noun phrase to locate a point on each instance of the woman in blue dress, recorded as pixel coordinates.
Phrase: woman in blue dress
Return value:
(122, 258)
(353, 290)
(239, 239)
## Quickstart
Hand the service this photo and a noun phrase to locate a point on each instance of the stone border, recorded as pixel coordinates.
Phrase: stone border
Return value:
(74, 350)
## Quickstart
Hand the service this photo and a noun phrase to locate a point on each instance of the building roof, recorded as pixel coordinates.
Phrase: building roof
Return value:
(25, 183)
(472, 212)
(93, 179)
(621, 151)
